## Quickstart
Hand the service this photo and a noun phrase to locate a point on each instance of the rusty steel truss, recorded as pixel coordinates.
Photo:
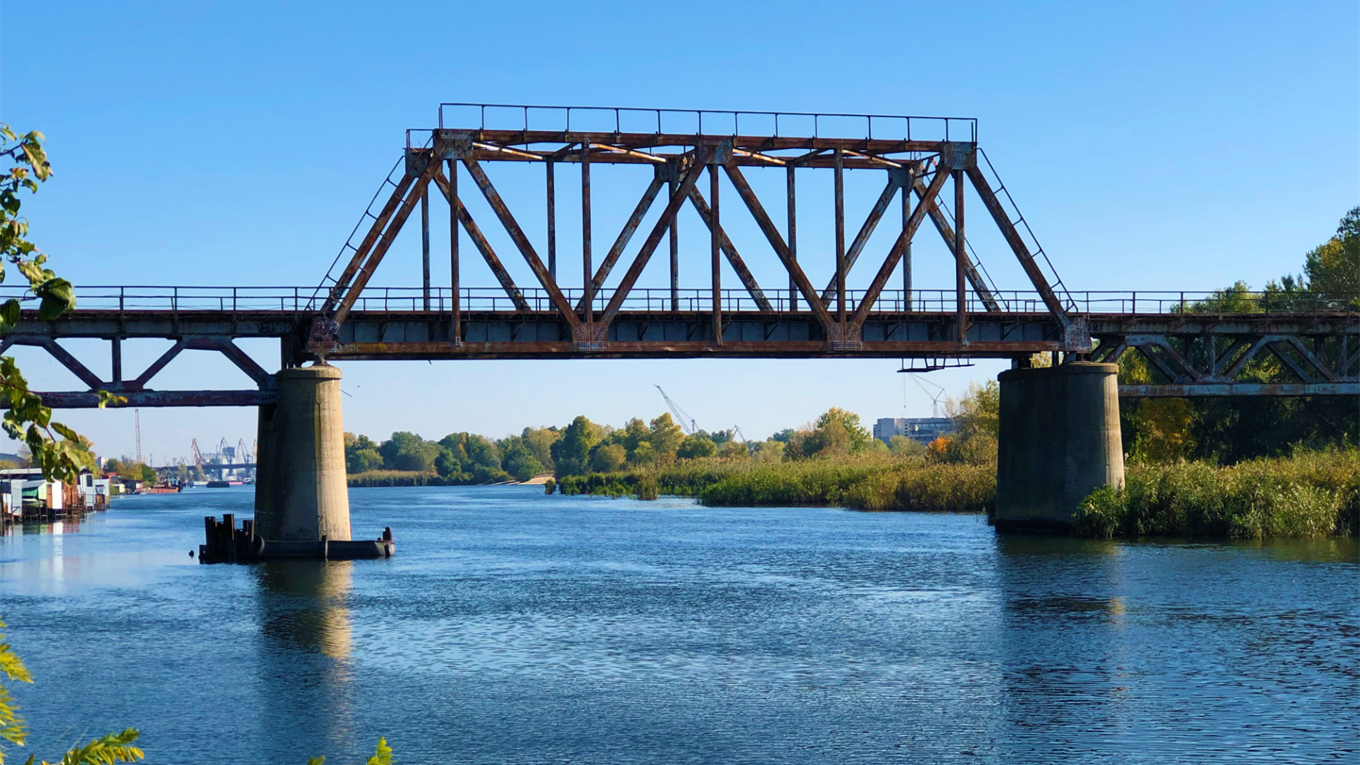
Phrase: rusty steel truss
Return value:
(923, 165)
(916, 158)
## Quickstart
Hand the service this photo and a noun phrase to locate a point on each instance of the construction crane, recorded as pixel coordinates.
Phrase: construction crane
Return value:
(934, 397)
(137, 424)
(686, 422)
(198, 456)
(242, 456)
(743, 435)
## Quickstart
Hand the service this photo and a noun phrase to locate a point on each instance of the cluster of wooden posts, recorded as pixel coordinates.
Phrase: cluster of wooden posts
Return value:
(224, 543)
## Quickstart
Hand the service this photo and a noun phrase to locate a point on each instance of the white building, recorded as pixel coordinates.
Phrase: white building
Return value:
(920, 429)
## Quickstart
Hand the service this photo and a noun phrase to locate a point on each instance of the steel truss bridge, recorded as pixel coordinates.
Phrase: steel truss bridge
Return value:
(1196, 344)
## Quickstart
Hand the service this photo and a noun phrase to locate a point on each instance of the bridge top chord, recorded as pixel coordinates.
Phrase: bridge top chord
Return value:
(712, 122)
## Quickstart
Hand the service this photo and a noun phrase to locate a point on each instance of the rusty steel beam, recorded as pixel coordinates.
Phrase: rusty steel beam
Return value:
(636, 141)
(1017, 243)
(521, 241)
(62, 356)
(777, 242)
(802, 349)
(748, 279)
(838, 205)
(1192, 390)
(380, 249)
(960, 258)
(667, 218)
(865, 231)
(946, 233)
(625, 235)
(474, 233)
(793, 234)
(715, 251)
(450, 191)
(360, 253)
(157, 398)
(866, 303)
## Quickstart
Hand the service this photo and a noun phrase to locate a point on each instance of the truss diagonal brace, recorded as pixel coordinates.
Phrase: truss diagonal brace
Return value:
(521, 241)
(946, 233)
(357, 260)
(483, 246)
(62, 357)
(1018, 245)
(413, 195)
(666, 220)
(696, 198)
(781, 248)
(625, 235)
(865, 231)
(895, 254)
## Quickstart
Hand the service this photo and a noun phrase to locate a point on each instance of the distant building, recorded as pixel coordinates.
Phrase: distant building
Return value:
(920, 429)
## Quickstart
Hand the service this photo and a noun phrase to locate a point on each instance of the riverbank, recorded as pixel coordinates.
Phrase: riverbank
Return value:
(861, 482)
(373, 478)
(1309, 494)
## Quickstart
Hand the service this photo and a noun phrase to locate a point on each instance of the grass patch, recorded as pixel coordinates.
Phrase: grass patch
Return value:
(1309, 494)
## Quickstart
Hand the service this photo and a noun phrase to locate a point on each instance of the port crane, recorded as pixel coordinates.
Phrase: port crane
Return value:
(686, 422)
(934, 397)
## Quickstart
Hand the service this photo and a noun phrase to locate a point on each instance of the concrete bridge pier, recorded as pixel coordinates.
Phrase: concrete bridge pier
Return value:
(301, 494)
(1059, 442)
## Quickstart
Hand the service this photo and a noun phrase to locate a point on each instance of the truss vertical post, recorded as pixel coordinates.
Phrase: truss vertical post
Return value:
(906, 254)
(839, 168)
(552, 222)
(587, 268)
(117, 349)
(793, 237)
(456, 320)
(425, 243)
(715, 246)
(673, 171)
(960, 257)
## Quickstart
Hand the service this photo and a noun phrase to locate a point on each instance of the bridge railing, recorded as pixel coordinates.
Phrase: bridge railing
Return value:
(300, 300)
(602, 119)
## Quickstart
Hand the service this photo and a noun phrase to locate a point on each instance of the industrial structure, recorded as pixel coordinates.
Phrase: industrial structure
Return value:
(922, 430)
(1194, 345)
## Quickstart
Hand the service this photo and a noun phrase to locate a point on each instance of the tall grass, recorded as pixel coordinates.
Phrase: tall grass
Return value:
(930, 487)
(1309, 494)
(862, 482)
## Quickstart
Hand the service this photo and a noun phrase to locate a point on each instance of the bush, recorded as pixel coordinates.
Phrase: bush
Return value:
(1308, 495)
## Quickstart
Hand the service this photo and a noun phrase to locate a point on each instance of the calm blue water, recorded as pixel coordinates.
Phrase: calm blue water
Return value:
(518, 628)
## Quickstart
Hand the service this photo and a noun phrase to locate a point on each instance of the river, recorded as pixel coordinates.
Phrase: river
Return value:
(514, 627)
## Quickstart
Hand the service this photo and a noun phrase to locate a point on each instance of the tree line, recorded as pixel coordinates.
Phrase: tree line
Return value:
(1231, 430)
(582, 447)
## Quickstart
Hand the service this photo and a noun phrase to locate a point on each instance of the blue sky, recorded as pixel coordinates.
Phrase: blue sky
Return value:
(1151, 145)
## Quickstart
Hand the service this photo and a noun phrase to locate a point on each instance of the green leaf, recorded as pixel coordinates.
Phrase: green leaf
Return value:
(9, 314)
(58, 297)
(384, 754)
(65, 432)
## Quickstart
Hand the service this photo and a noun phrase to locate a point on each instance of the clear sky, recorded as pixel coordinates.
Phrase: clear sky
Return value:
(1151, 145)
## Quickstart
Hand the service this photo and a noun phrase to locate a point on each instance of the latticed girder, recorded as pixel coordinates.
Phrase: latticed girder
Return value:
(916, 168)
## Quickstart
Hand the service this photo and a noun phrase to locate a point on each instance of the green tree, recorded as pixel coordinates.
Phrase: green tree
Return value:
(1333, 267)
(363, 461)
(836, 433)
(902, 446)
(607, 458)
(539, 442)
(54, 446)
(571, 453)
(408, 451)
(696, 447)
(666, 437)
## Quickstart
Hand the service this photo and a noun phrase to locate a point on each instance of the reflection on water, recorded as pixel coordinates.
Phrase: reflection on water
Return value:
(518, 627)
(302, 603)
